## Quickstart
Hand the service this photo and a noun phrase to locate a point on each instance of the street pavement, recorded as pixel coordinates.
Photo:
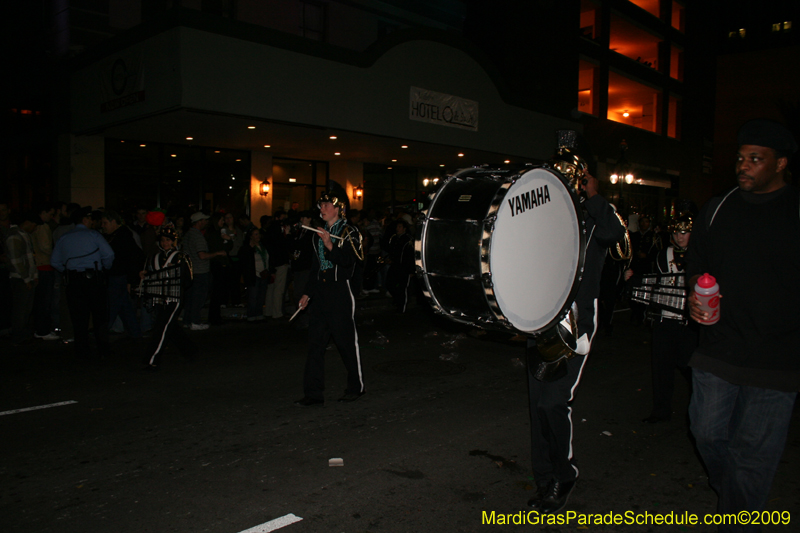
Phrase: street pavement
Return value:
(439, 442)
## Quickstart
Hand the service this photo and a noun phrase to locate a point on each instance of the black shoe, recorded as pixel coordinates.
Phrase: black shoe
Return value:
(308, 402)
(653, 419)
(557, 495)
(351, 396)
(536, 501)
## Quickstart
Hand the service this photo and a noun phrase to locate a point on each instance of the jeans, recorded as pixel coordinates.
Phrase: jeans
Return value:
(741, 432)
(43, 302)
(21, 306)
(256, 293)
(196, 298)
(119, 303)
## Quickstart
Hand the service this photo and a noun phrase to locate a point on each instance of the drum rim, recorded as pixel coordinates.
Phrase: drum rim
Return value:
(579, 265)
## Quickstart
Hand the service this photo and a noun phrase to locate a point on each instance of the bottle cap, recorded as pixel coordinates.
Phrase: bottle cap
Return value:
(706, 281)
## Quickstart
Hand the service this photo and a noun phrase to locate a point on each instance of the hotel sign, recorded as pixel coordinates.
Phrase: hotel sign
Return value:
(121, 83)
(443, 109)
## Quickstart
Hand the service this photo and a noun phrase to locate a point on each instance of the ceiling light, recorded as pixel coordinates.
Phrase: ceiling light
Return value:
(441, 165)
(142, 145)
(337, 153)
(266, 146)
(507, 161)
(626, 114)
(216, 151)
(394, 160)
(189, 138)
(333, 137)
(292, 180)
(238, 159)
(173, 155)
(460, 155)
(404, 146)
(251, 127)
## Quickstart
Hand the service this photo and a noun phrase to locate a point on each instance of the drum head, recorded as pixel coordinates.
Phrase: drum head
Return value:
(536, 250)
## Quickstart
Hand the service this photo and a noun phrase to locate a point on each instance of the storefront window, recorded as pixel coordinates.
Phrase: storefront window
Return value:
(176, 178)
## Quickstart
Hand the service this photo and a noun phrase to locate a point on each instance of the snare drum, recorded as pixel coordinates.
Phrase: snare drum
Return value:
(502, 249)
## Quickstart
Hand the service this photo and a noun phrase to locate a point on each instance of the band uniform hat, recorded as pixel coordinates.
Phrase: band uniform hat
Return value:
(197, 217)
(168, 230)
(79, 214)
(336, 195)
(681, 224)
(767, 133)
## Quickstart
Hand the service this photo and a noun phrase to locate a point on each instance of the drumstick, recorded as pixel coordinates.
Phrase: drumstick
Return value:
(318, 231)
(298, 310)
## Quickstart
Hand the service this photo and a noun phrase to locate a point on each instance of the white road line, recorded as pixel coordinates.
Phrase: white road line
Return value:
(272, 525)
(15, 411)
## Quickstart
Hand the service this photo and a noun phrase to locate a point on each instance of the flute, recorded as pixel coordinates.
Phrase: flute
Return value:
(318, 231)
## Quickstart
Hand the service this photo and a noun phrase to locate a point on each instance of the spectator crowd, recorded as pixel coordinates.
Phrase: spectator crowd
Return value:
(63, 255)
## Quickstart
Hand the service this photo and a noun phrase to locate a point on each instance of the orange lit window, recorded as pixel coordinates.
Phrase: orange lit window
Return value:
(633, 42)
(587, 83)
(651, 6)
(589, 23)
(633, 103)
(678, 14)
(674, 125)
(676, 63)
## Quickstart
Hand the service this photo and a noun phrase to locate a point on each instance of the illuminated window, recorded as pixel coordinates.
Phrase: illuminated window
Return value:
(588, 97)
(776, 27)
(786, 26)
(678, 14)
(589, 19)
(633, 42)
(674, 121)
(639, 101)
(651, 6)
(676, 63)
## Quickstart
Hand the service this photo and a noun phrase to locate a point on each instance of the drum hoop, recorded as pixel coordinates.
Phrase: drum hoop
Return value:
(485, 247)
(491, 298)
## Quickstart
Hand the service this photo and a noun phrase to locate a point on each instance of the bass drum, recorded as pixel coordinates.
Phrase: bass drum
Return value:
(502, 249)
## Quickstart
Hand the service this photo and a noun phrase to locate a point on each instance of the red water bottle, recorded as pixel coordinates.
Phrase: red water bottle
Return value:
(707, 292)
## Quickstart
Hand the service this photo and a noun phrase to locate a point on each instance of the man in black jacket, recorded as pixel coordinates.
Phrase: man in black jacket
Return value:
(337, 248)
(745, 371)
(124, 272)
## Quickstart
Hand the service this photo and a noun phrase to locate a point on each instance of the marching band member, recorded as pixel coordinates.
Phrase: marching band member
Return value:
(551, 400)
(674, 339)
(167, 328)
(332, 309)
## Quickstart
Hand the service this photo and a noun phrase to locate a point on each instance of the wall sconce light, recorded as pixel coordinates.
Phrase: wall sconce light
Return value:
(358, 192)
(428, 181)
(263, 189)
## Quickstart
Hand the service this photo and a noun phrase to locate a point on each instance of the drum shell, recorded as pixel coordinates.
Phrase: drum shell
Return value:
(454, 243)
